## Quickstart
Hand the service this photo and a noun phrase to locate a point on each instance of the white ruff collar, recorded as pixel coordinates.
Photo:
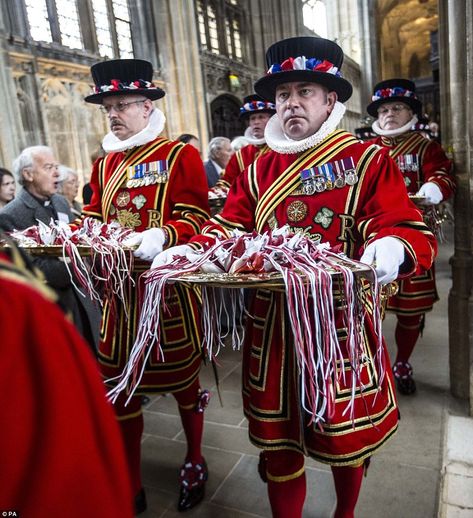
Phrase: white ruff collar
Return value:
(394, 132)
(150, 132)
(278, 141)
(252, 140)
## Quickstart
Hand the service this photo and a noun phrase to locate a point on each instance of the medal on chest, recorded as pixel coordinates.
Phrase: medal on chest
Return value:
(408, 163)
(148, 173)
(328, 176)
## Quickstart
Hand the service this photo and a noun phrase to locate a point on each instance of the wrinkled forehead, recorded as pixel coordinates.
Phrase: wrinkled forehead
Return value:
(44, 157)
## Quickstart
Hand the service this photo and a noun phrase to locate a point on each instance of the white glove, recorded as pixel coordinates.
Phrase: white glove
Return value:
(151, 243)
(386, 256)
(431, 192)
(168, 255)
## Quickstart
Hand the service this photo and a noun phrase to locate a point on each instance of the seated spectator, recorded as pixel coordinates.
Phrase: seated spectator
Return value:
(7, 187)
(69, 187)
(220, 152)
(62, 452)
(36, 169)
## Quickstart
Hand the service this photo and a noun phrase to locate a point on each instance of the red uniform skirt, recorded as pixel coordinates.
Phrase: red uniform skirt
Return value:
(416, 295)
(272, 392)
(179, 365)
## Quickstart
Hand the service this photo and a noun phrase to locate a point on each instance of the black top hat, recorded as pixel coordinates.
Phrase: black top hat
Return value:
(255, 104)
(306, 58)
(123, 77)
(392, 90)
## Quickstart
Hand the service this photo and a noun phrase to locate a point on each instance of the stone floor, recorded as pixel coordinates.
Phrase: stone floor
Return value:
(403, 479)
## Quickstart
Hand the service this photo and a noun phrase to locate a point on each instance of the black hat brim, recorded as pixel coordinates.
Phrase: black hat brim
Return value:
(152, 95)
(413, 103)
(266, 86)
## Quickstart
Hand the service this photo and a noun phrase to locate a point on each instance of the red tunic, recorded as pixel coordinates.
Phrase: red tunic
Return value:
(62, 452)
(239, 162)
(418, 294)
(269, 194)
(179, 204)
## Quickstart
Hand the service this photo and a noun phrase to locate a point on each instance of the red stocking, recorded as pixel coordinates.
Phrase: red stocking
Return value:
(130, 419)
(407, 332)
(192, 421)
(347, 487)
(286, 483)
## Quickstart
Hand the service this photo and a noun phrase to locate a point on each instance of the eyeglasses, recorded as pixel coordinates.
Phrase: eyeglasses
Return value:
(396, 108)
(119, 107)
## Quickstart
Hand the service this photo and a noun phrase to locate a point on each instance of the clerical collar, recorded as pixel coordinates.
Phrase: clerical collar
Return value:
(45, 203)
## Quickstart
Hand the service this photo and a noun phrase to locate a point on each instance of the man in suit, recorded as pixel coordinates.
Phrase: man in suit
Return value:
(36, 169)
(220, 152)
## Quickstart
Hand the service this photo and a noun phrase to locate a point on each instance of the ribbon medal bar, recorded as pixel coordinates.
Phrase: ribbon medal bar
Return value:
(307, 180)
(348, 167)
(149, 173)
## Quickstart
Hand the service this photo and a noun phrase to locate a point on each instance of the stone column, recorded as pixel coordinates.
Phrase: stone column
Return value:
(456, 54)
(185, 101)
(369, 57)
(12, 137)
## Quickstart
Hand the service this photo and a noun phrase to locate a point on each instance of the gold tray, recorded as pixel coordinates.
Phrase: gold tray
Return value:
(55, 250)
(418, 200)
(50, 250)
(253, 280)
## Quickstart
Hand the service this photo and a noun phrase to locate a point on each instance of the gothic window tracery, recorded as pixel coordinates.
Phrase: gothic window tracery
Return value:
(314, 14)
(37, 13)
(221, 27)
(64, 22)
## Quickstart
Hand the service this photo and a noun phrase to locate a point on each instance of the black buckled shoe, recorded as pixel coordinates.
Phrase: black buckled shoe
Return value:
(262, 467)
(403, 375)
(192, 479)
(140, 502)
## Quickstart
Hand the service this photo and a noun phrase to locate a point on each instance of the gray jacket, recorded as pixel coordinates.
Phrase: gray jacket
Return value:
(25, 211)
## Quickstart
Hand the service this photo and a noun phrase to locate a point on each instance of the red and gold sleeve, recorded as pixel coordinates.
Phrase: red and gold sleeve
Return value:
(188, 194)
(437, 168)
(388, 211)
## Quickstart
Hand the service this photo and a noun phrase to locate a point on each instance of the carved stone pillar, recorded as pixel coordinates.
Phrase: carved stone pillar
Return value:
(12, 137)
(185, 101)
(457, 86)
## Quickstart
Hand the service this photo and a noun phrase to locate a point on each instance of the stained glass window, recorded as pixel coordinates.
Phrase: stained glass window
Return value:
(69, 25)
(102, 28)
(38, 20)
(315, 16)
(123, 28)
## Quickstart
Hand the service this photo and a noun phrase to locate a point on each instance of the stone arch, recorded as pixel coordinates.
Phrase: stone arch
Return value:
(225, 110)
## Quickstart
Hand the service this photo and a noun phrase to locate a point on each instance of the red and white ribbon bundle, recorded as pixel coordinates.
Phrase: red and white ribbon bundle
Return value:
(107, 274)
(308, 270)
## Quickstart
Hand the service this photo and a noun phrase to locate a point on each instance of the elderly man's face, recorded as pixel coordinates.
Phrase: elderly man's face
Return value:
(303, 108)
(257, 123)
(41, 179)
(127, 114)
(223, 155)
(394, 115)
